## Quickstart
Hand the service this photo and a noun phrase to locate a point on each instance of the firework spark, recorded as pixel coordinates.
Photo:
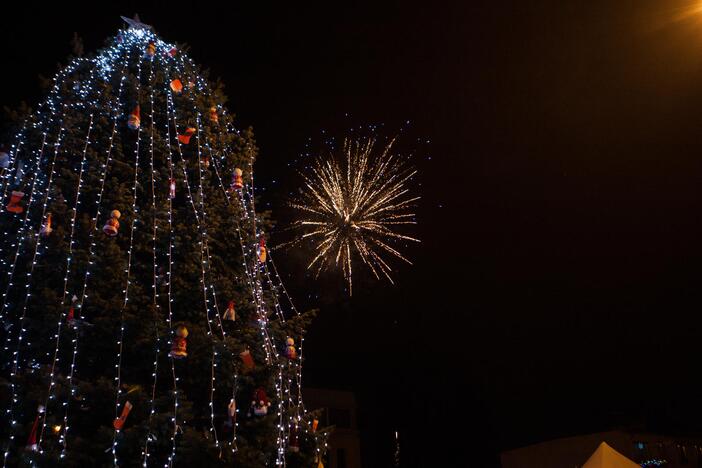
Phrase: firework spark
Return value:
(353, 206)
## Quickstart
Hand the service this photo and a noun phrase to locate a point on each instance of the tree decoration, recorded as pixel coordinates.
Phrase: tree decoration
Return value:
(185, 137)
(150, 50)
(46, 228)
(180, 343)
(118, 423)
(134, 120)
(213, 114)
(32, 439)
(171, 188)
(237, 180)
(294, 443)
(351, 206)
(14, 206)
(261, 250)
(259, 402)
(247, 360)
(230, 313)
(111, 227)
(71, 316)
(176, 86)
(231, 414)
(290, 351)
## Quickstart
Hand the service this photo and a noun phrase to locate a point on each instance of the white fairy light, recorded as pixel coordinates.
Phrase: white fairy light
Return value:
(132, 227)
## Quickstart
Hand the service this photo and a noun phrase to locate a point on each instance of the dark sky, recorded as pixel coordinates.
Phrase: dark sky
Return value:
(556, 288)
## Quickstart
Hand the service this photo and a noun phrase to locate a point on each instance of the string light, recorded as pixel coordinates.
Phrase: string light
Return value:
(116, 113)
(156, 306)
(132, 227)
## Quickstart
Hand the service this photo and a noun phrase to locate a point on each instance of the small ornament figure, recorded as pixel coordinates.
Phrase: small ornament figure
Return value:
(71, 318)
(171, 188)
(111, 227)
(259, 402)
(150, 49)
(294, 442)
(172, 52)
(213, 114)
(206, 162)
(230, 313)
(290, 351)
(180, 343)
(118, 423)
(14, 205)
(261, 250)
(185, 137)
(134, 120)
(247, 361)
(32, 440)
(315, 423)
(177, 86)
(46, 228)
(231, 415)
(237, 179)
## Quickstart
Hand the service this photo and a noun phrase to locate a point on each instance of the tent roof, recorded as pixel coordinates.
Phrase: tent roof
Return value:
(606, 457)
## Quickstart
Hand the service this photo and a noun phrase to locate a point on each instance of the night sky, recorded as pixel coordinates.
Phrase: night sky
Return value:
(555, 291)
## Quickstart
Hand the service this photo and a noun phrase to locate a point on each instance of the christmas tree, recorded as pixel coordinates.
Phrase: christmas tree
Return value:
(144, 321)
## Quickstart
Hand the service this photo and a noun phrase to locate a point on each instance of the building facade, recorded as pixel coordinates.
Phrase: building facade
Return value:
(339, 410)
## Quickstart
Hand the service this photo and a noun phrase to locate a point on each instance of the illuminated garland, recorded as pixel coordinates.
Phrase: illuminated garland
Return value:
(135, 211)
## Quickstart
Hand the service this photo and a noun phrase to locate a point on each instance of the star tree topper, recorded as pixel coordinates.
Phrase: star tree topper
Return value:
(135, 23)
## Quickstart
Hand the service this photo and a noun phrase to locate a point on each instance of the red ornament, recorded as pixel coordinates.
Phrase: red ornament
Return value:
(177, 86)
(111, 227)
(173, 52)
(14, 205)
(71, 316)
(247, 360)
(134, 120)
(118, 423)
(32, 439)
(230, 313)
(185, 137)
(179, 348)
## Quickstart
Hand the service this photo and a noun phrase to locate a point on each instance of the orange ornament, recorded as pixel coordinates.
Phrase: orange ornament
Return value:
(177, 86)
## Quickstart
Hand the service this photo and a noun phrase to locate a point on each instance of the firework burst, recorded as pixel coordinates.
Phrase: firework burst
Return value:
(352, 207)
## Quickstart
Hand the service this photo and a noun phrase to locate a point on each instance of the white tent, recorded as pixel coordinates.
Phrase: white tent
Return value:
(606, 457)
